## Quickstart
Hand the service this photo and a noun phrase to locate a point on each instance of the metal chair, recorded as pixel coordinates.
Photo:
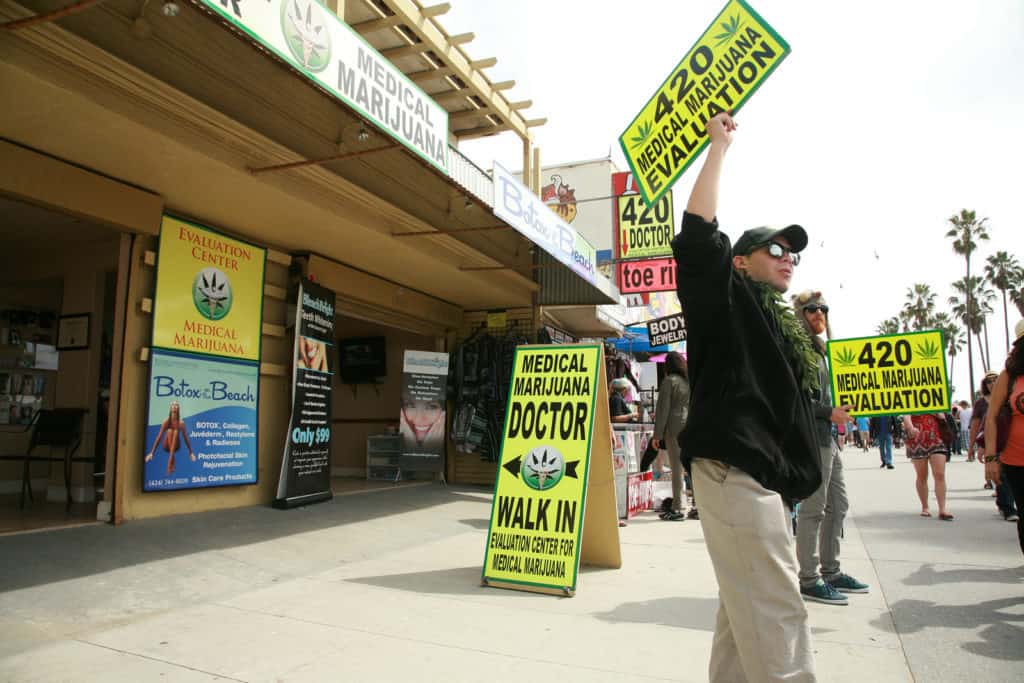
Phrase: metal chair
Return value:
(59, 428)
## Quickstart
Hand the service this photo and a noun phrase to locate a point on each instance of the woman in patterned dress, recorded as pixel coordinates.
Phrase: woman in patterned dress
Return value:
(925, 447)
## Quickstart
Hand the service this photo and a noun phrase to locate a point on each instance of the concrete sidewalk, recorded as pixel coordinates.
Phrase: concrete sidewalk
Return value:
(378, 587)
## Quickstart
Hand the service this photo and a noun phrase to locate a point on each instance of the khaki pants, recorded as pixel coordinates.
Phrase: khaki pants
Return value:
(819, 522)
(761, 632)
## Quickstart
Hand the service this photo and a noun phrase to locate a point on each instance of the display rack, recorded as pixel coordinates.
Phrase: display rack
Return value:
(384, 457)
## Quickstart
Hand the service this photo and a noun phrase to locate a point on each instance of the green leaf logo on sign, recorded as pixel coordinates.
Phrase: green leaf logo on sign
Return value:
(730, 29)
(305, 30)
(211, 292)
(543, 468)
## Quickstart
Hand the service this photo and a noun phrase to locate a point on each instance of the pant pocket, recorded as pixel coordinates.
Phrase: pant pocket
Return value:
(712, 469)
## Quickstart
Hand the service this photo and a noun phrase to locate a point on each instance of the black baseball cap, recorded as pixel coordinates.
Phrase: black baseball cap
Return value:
(758, 237)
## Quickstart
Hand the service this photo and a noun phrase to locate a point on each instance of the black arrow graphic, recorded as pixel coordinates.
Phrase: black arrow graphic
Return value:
(514, 466)
(570, 469)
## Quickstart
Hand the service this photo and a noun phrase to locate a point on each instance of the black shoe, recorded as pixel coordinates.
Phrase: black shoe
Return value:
(890, 467)
(881, 466)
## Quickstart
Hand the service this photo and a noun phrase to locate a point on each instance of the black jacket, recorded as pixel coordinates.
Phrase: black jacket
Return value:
(746, 407)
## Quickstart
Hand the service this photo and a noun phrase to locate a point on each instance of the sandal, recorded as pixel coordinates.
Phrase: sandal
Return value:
(925, 513)
(673, 516)
(946, 517)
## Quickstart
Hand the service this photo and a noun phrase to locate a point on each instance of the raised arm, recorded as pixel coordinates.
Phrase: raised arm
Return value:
(704, 197)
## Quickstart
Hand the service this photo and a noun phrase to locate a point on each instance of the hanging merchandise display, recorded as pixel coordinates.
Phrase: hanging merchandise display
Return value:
(480, 373)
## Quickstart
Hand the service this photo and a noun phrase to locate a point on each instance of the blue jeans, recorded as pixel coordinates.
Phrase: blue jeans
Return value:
(885, 448)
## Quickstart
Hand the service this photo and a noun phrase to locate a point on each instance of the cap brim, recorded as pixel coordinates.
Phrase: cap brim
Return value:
(795, 235)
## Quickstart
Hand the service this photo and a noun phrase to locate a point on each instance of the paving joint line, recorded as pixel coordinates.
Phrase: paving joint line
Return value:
(157, 659)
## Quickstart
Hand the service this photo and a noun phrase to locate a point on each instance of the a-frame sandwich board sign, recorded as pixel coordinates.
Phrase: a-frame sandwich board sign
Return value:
(554, 495)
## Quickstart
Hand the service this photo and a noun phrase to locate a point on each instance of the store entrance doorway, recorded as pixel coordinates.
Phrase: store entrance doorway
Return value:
(58, 286)
(368, 408)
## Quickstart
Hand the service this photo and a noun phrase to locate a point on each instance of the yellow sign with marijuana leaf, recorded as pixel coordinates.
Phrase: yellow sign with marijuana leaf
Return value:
(737, 52)
(209, 292)
(896, 374)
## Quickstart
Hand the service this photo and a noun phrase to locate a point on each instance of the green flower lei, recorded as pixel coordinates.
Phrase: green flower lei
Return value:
(796, 342)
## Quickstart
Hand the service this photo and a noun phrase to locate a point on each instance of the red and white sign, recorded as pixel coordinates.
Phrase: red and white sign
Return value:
(639, 492)
(654, 275)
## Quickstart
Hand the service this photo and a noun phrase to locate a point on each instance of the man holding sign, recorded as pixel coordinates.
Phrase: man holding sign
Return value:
(750, 441)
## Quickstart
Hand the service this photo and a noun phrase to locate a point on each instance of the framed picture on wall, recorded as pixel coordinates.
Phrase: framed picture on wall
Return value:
(73, 332)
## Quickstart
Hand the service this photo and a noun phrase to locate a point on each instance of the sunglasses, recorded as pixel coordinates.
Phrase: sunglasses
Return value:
(777, 251)
(814, 308)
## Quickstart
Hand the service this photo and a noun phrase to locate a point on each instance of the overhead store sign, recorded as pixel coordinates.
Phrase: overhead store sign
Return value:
(655, 275)
(524, 211)
(898, 374)
(730, 61)
(667, 330)
(554, 497)
(315, 41)
(645, 231)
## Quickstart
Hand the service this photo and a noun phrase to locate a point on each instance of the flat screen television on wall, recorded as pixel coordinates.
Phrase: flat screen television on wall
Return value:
(363, 360)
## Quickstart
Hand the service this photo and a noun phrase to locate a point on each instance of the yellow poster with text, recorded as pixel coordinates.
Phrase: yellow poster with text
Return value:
(645, 231)
(729, 62)
(209, 292)
(897, 374)
(539, 499)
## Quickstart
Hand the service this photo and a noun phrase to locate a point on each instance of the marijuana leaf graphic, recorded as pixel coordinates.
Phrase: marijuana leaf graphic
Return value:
(929, 350)
(730, 28)
(846, 357)
(642, 133)
(213, 294)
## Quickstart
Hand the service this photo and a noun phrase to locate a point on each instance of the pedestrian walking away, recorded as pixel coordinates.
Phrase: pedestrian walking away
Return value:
(926, 449)
(1004, 444)
(882, 430)
(1000, 490)
(819, 519)
(749, 441)
(669, 419)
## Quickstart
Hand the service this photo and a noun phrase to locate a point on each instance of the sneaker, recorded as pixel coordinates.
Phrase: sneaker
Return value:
(824, 593)
(844, 583)
(693, 514)
(1012, 517)
(881, 466)
(890, 467)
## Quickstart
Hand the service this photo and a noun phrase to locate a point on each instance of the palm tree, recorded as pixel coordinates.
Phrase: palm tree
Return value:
(954, 344)
(952, 335)
(966, 232)
(889, 326)
(971, 306)
(1005, 274)
(905, 320)
(1017, 297)
(919, 306)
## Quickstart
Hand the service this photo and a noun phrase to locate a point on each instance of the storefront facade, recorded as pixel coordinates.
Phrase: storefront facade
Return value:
(121, 120)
